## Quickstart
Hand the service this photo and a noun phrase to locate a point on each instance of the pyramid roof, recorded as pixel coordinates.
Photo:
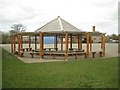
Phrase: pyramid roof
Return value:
(58, 25)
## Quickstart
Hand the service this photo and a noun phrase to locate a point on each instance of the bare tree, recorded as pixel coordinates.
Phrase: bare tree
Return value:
(11, 32)
(18, 28)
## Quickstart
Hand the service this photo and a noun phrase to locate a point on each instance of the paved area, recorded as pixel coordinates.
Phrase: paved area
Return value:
(111, 51)
(31, 60)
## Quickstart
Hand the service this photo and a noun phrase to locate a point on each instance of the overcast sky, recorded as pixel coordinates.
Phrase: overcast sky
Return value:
(83, 14)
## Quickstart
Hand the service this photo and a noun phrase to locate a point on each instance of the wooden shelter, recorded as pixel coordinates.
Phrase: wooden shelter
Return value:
(62, 29)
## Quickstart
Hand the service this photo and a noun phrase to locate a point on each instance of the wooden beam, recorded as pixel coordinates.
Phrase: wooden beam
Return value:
(19, 44)
(35, 42)
(62, 42)
(70, 40)
(41, 45)
(66, 36)
(87, 44)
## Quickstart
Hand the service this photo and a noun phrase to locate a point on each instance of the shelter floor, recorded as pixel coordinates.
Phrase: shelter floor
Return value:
(111, 51)
(27, 58)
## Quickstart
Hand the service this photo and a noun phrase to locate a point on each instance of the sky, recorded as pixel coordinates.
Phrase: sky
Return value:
(83, 14)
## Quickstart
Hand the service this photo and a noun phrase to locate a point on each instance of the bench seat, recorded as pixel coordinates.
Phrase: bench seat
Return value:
(94, 53)
(53, 54)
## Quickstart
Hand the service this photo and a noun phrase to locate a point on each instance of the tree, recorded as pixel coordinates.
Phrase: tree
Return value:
(18, 28)
(5, 38)
(11, 32)
(114, 37)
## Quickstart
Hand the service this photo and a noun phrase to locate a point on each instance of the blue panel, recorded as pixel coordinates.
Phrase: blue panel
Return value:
(47, 40)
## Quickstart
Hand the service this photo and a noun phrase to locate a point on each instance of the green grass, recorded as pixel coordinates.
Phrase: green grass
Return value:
(93, 73)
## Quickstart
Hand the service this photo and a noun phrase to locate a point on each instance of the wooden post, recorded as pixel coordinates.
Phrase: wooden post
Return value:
(79, 42)
(87, 44)
(71, 41)
(35, 42)
(62, 42)
(21, 41)
(41, 45)
(66, 36)
(103, 48)
(14, 40)
(19, 44)
(90, 43)
(102, 41)
(29, 42)
(11, 44)
(42, 41)
(55, 41)
(118, 44)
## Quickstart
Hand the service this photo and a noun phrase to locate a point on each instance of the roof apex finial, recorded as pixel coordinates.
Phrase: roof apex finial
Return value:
(58, 16)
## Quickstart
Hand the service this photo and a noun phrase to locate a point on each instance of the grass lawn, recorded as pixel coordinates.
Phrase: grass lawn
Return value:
(93, 73)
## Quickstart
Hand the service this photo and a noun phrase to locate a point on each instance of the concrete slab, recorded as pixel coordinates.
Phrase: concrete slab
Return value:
(35, 60)
(111, 51)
